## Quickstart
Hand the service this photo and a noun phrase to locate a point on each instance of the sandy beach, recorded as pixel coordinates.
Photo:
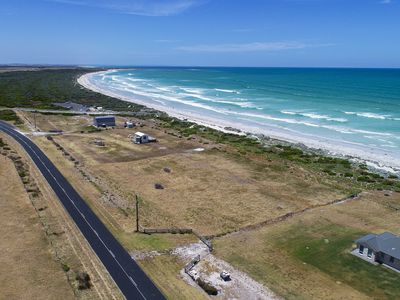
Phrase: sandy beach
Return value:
(376, 158)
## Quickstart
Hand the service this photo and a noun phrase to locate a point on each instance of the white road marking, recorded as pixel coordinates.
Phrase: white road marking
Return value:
(133, 281)
(11, 133)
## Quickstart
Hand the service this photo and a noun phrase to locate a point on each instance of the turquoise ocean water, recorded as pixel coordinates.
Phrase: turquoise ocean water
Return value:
(359, 107)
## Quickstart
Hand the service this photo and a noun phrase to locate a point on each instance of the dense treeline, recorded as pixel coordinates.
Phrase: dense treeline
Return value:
(40, 89)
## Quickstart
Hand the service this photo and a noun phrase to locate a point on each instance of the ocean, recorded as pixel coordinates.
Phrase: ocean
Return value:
(350, 111)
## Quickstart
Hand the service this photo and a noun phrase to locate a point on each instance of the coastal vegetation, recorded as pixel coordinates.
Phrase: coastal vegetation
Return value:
(42, 88)
(356, 174)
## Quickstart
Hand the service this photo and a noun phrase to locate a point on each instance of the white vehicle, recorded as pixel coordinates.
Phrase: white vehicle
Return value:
(225, 276)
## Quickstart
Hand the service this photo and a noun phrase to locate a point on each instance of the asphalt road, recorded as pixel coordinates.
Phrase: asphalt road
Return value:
(129, 277)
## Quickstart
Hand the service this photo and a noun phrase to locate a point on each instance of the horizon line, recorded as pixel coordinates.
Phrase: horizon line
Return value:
(88, 66)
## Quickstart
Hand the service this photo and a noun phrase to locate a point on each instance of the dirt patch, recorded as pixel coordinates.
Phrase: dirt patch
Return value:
(240, 285)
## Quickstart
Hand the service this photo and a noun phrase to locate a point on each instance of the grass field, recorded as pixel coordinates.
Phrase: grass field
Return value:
(214, 191)
(331, 256)
(292, 256)
(28, 268)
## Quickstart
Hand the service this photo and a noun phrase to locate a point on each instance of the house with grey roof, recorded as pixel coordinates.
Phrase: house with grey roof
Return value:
(381, 248)
(104, 121)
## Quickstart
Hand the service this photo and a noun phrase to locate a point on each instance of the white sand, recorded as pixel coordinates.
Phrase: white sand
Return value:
(377, 158)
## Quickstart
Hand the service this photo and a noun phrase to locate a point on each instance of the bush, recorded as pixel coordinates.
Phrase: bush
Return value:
(364, 178)
(65, 267)
(83, 279)
(10, 115)
(158, 186)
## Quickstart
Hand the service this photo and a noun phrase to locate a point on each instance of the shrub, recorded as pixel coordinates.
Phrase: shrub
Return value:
(83, 279)
(65, 267)
(158, 186)
(364, 178)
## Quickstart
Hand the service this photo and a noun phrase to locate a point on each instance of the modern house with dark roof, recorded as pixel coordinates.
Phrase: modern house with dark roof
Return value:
(381, 248)
(104, 121)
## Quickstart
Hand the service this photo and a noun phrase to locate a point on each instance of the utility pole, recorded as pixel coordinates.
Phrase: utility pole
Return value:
(137, 213)
(34, 118)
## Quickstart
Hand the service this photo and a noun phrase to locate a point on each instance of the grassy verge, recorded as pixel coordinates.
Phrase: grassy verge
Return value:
(10, 115)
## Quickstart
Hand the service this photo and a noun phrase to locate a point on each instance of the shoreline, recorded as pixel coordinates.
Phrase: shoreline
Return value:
(375, 159)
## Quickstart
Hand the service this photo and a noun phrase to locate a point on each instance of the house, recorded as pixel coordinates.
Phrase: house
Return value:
(142, 138)
(104, 121)
(381, 248)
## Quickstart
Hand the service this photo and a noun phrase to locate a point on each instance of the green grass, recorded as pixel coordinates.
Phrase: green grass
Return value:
(327, 248)
(9, 115)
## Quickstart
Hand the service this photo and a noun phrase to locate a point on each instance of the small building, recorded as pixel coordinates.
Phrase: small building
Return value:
(380, 248)
(129, 124)
(104, 121)
(142, 138)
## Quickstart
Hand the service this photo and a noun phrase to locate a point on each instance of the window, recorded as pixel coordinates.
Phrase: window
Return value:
(369, 254)
(391, 260)
(361, 249)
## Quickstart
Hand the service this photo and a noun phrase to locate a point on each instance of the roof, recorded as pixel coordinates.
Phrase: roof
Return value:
(104, 117)
(140, 133)
(386, 242)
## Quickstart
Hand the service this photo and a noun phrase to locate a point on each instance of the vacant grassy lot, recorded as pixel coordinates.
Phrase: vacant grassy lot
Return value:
(28, 270)
(48, 122)
(213, 192)
(290, 257)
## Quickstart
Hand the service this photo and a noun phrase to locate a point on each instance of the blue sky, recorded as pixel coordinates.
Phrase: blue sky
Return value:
(309, 33)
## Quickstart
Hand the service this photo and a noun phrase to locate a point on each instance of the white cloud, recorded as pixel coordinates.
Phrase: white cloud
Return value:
(250, 47)
(151, 8)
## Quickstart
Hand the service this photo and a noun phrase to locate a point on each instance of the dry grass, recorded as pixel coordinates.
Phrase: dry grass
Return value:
(274, 255)
(28, 269)
(212, 192)
(122, 225)
(165, 270)
(48, 122)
